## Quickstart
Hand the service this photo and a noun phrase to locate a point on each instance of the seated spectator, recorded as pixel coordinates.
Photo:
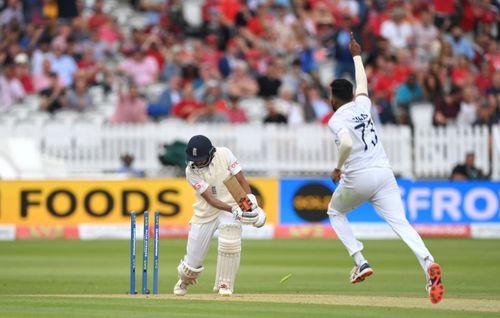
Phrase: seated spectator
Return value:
(270, 81)
(319, 106)
(143, 69)
(460, 44)
(209, 113)
(467, 170)
(446, 109)
(469, 106)
(131, 107)
(53, 97)
(11, 89)
(487, 112)
(397, 30)
(484, 78)
(170, 96)
(286, 105)
(188, 104)
(235, 113)
(408, 93)
(41, 54)
(433, 90)
(273, 116)
(43, 80)
(239, 83)
(79, 98)
(63, 64)
(23, 72)
(213, 92)
(98, 17)
(127, 169)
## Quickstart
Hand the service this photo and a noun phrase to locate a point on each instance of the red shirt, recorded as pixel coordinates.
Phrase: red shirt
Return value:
(185, 107)
(445, 7)
(97, 20)
(229, 9)
(236, 115)
(255, 26)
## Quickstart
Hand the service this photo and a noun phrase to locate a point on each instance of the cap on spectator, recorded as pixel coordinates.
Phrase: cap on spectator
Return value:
(21, 58)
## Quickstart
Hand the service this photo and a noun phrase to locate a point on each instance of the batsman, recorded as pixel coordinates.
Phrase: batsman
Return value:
(224, 202)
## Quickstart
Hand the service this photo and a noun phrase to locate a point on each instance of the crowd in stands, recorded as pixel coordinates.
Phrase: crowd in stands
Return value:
(443, 52)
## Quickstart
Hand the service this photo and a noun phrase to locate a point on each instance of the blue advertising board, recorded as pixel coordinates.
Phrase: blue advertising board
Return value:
(426, 202)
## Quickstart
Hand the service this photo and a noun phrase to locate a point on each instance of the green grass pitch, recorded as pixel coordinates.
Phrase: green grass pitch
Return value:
(90, 279)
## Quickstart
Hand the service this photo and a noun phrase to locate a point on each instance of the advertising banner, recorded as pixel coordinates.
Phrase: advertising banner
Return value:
(101, 208)
(426, 202)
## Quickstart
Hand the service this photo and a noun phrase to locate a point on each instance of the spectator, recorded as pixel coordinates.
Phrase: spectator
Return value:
(23, 72)
(41, 54)
(11, 89)
(63, 64)
(131, 107)
(53, 97)
(487, 112)
(143, 69)
(213, 93)
(240, 84)
(79, 98)
(273, 116)
(209, 113)
(98, 17)
(407, 94)
(467, 170)
(468, 107)
(425, 33)
(286, 105)
(235, 113)
(342, 37)
(447, 108)
(43, 80)
(13, 11)
(460, 44)
(398, 31)
(319, 106)
(127, 169)
(270, 81)
(170, 96)
(433, 89)
(188, 104)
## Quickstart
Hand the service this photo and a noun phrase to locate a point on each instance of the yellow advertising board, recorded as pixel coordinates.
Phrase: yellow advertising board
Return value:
(65, 202)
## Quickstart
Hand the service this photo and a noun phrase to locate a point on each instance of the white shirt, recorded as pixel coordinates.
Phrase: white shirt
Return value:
(212, 178)
(367, 150)
(397, 34)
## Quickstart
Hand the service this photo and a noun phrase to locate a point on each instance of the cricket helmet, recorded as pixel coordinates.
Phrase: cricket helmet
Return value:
(200, 150)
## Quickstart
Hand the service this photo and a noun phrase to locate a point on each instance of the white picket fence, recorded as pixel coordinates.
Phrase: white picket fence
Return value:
(87, 146)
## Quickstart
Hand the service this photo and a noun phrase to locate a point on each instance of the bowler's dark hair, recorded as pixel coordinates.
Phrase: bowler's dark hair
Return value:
(342, 89)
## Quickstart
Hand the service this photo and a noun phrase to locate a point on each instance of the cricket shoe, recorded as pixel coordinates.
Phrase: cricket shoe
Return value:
(435, 287)
(180, 289)
(360, 273)
(224, 290)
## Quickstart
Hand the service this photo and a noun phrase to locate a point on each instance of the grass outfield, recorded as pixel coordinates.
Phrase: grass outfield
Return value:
(90, 279)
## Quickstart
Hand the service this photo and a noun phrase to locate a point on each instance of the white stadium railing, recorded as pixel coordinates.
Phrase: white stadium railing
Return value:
(89, 146)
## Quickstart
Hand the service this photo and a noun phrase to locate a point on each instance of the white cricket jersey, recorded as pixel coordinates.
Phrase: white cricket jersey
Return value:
(211, 179)
(367, 150)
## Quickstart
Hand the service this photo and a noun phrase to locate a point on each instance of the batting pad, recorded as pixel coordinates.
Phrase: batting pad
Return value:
(187, 273)
(228, 258)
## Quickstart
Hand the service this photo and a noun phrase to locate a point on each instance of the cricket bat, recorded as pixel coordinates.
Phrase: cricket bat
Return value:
(239, 195)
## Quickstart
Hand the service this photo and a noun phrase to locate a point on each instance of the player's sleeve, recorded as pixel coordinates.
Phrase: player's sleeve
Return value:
(364, 102)
(337, 126)
(232, 163)
(198, 184)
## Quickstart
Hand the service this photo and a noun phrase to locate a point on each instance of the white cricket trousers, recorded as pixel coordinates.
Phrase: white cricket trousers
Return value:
(199, 238)
(377, 186)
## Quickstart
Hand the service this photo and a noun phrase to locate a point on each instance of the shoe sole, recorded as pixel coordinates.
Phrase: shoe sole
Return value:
(363, 275)
(436, 290)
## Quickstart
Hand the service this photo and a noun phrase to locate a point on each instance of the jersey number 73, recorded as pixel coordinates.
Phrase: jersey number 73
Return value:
(369, 127)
